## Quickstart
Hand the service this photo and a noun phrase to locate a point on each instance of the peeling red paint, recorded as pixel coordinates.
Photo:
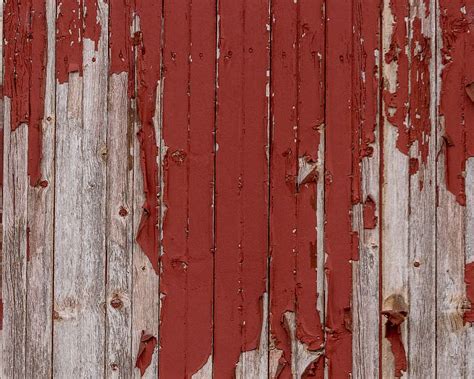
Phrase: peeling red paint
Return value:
(339, 187)
(469, 279)
(145, 352)
(455, 105)
(148, 75)
(298, 116)
(25, 60)
(370, 213)
(394, 335)
(1, 313)
(188, 132)
(315, 369)
(396, 103)
(241, 208)
(69, 36)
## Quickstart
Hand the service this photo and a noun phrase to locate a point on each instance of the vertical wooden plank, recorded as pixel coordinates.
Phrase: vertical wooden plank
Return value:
(454, 41)
(80, 254)
(339, 195)
(395, 190)
(120, 159)
(41, 151)
(15, 247)
(241, 185)
(298, 124)
(366, 182)
(188, 171)
(148, 211)
(2, 150)
(421, 340)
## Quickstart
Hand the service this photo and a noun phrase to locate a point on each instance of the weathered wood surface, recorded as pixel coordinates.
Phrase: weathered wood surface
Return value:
(250, 189)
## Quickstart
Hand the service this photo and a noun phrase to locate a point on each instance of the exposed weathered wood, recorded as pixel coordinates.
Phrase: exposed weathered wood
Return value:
(119, 229)
(15, 191)
(421, 269)
(366, 217)
(40, 265)
(80, 212)
(395, 188)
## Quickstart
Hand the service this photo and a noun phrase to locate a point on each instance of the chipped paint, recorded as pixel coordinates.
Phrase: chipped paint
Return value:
(145, 352)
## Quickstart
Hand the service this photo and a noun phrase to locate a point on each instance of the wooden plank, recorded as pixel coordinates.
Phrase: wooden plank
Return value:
(2, 150)
(395, 190)
(421, 340)
(298, 124)
(339, 194)
(15, 189)
(79, 268)
(120, 173)
(454, 146)
(41, 152)
(188, 173)
(148, 211)
(366, 182)
(241, 185)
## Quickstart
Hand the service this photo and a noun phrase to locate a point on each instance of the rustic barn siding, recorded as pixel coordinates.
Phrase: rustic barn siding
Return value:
(250, 189)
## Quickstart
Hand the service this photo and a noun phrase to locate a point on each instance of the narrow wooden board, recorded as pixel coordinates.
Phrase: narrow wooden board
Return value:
(241, 185)
(80, 212)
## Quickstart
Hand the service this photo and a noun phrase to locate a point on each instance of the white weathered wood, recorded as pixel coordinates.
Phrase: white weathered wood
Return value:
(421, 268)
(14, 277)
(395, 200)
(79, 271)
(119, 229)
(41, 229)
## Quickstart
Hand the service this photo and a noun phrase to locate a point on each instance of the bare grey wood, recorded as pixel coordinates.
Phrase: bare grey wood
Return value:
(119, 232)
(39, 321)
(80, 254)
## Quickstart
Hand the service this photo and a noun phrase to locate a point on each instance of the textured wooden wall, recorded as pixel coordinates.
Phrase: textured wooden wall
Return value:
(237, 188)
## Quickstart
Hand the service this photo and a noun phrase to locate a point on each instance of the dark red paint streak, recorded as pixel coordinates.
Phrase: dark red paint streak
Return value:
(338, 189)
(393, 334)
(370, 213)
(148, 41)
(241, 181)
(121, 57)
(145, 352)
(188, 126)
(25, 60)
(298, 116)
(469, 279)
(455, 105)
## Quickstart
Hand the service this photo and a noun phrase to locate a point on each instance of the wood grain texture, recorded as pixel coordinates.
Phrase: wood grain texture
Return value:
(80, 212)
(249, 189)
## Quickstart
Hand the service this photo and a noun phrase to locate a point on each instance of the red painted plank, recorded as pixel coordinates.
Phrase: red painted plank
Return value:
(241, 181)
(188, 127)
(147, 75)
(338, 190)
(298, 118)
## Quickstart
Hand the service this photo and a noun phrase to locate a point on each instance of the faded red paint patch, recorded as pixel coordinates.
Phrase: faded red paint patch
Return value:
(1, 313)
(394, 335)
(369, 213)
(145, 352)
(469, 279)
(25, 60)
(148, 75)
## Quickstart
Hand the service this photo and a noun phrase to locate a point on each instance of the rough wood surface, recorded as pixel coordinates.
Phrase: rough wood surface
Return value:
(249, 189)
